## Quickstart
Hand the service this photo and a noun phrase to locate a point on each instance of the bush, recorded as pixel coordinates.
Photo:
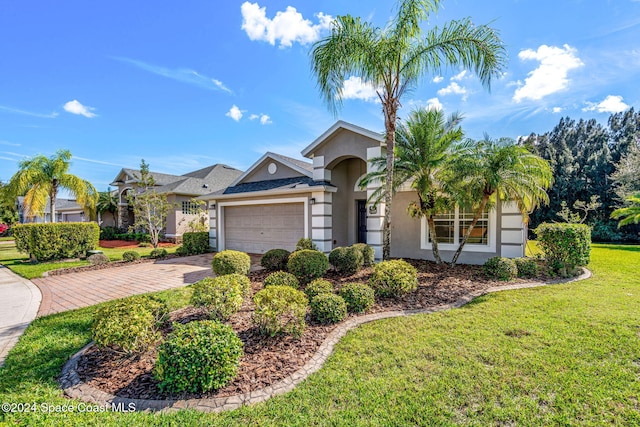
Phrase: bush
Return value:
(527, 267)
(393, 278)
(275, 259)
(328, 308)
(130, 256)
(98, 259)
(195, 243)
(128, 325)
(358, 296)
(368, 254)
(566, 246)
(181, 251)
(307, 265)
(500, 268)
(306, 244)
(144, 245)
(219, 296)
(317, 287)
(228, 262)
(159, 253)
(346, 260)
(108, 233)
(198, 357)
(281, 278)
(56, 240)
(280, 310)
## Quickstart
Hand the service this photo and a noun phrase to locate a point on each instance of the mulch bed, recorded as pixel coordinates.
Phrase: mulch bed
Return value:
(268, 360)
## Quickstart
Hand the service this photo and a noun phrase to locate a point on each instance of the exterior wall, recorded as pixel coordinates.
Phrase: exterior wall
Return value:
(108, 219)
(178, 222)
(344, 144)
(345, 176)
(262, 173)
(513, 232)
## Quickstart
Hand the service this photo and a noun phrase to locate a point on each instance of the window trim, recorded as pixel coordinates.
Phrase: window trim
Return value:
(425, 243)
(192, 208)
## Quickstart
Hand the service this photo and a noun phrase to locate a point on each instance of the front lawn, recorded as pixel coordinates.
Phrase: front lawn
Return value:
(557, 355)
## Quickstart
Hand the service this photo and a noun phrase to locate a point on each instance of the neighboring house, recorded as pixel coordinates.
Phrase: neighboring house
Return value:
(279, 200)
(180, 190)
(67, 210)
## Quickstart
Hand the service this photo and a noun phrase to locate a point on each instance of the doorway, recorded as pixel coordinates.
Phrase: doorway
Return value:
(361, 216)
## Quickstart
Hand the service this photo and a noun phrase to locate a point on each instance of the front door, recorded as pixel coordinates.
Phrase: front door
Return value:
(362, 221)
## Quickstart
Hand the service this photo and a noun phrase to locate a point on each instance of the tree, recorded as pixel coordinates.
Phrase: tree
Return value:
(395, 58)
(629, 214)
(627, 174)
(585, 207)
(488, 171)
(424, 145)
(150, 208)
(8, 211)
(40, 179)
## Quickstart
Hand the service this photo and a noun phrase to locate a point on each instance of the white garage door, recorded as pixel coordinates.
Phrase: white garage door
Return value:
(258, 228)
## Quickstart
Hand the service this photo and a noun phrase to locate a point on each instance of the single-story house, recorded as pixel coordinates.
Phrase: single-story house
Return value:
(279, 200)
(180, 191)
(67, 210)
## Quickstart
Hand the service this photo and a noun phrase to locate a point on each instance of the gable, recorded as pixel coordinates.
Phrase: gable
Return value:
(272, 166)
(343, 140)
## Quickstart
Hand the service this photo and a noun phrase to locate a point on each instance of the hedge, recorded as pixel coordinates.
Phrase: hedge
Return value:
(566, 246)
(56, 240)
(195, 243)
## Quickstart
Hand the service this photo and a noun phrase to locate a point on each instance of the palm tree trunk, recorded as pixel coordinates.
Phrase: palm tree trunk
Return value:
(52, 200)
(434, 239)
(476, 217)
(389, 109)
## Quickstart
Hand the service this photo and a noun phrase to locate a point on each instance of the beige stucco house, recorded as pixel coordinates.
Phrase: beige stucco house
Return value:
(279, 200)
(67, 210)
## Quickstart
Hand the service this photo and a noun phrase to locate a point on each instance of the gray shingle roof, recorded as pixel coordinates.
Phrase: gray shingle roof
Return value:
(272, 184)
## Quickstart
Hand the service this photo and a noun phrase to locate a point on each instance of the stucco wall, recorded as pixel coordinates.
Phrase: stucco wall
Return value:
(344, 176)
(262, 173)
(344, 144)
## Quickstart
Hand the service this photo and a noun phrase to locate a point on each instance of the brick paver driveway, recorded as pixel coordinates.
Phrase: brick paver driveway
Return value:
(76, 290)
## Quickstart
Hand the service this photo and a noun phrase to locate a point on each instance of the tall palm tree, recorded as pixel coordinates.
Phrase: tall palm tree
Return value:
(395, 58)
(629, 214)
(40, 178)
(488, 171)
(425, 142)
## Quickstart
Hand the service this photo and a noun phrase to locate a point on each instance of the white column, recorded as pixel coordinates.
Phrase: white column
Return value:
(375, 214)
(213, 225)
(321, 221)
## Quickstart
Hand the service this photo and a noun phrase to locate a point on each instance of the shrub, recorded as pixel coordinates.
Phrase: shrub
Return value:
(280, 310)
(328, 308)
(566, 246)
(500, 268)
(368, 254)
(219, 296)
(393, 278)
(144, 245)
(195, 243)
(306, 244)
(198, 357)
(130, 256)
(527, 267)
(275, 259)
(158, 253)
(281, 278)
(128, 325)
(307, 265)
(98, 259)
(56, 240)
(241, 280)
(317, 287)
(108, 233)
(181, 251)
(228, 262)
(346, 260)
(358, 296)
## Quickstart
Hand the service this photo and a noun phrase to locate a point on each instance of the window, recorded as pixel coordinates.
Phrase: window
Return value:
(452, 226)
(189, 208)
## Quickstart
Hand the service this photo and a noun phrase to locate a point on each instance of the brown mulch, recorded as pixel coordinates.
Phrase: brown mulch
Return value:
(268, 360)
(128, 244)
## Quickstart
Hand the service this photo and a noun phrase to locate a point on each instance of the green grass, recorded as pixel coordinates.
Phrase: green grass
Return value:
(557, 355)
(6, 239)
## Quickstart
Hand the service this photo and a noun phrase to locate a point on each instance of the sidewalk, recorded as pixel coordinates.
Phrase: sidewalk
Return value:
(19, 303)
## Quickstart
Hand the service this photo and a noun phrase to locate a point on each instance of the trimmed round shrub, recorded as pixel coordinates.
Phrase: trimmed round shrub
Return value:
(346, 260)
(98, 259)
(317, 287)
(130, 256)
(219, 296)
(275, 259)
(328, 308)
(566, 246)
(280, 310)
(159, 253)
(306, 244)
(307, 265)
(500, 268)
(181, 251)
(368, 254)
(358, 296)
(281, 278)
(241, 280)
(229, 262)
(198, 357)
(527, 267)
(393, 278)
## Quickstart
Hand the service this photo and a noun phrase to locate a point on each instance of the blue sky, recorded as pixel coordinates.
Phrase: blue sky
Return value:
(188, 84)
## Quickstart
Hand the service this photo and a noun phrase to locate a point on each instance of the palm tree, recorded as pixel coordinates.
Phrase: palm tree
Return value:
(487, 171)
(424, 146)
(107, 202)
(40, 179)
(629, 214)
(394, 59)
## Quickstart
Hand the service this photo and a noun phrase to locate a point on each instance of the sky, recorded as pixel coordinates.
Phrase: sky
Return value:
(185, 85)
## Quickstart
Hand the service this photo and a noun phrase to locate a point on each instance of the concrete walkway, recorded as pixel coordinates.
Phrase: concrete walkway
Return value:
(19, 302)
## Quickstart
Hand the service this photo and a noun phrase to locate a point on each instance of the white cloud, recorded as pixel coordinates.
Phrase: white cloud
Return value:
(355, 88)
(459, 76)
(434, 104)
(611, 104)
(265, 119)
(75, 107)
(11, 144)
(551, 74)
(28, 113)
(235, 113)
(437, 79)
(286, 27)
(556, 109)
(453, 88)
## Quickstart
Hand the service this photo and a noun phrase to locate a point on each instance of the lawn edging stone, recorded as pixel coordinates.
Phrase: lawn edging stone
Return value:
(74, 388)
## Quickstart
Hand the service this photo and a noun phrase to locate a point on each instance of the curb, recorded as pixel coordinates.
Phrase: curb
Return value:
(74, 388)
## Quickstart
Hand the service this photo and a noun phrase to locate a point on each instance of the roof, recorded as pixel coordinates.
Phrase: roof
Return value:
(61, 205)
(341, 124)
(273, 184)
(300, 166)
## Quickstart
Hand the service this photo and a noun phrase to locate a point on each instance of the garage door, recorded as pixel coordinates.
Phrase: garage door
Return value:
(258, 228)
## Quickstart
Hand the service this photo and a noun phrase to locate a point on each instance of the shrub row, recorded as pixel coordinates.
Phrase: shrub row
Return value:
(507, 268)
(56, 240)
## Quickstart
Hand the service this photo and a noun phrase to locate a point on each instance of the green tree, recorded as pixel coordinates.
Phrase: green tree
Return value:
(395, 58)
(424, 146)
(40, 178)
(629, 214)
(107, 202)
(488, 171)
(8, 211)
